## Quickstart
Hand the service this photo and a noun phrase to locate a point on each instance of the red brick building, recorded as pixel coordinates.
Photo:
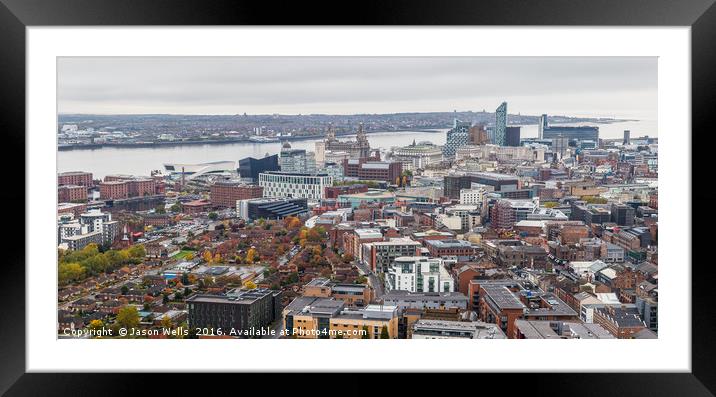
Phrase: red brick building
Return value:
(332, 192)
(225, 194)
(75, 178)
(141, 187)
(622, 322)
(654, 200)
(571, 234)
(71, 194)
(111, 190)
(71, 208)
(459, 248)
(195, 207)
(372, 170)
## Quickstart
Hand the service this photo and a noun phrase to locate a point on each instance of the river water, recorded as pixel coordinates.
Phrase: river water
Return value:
(140, 161)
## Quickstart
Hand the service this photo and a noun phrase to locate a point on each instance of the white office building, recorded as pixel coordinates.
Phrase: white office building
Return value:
(419, 274)
(281, 184)
(92, 226)
(472, 196)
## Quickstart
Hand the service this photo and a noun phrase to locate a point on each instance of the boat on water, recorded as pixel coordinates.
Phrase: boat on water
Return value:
(263, 139)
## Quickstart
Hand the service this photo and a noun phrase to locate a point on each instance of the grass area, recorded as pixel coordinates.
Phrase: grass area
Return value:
(182, 254)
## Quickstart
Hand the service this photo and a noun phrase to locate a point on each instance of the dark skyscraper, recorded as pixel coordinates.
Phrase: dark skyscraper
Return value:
(627, 138)
(512, 136)
(250, 167)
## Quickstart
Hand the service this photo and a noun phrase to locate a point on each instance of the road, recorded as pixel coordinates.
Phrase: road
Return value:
(373, 280)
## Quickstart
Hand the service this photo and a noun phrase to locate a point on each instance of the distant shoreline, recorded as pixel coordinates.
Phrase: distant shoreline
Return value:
(94, 146)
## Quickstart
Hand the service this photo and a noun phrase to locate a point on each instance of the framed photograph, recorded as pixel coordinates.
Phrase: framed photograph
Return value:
(421, 188)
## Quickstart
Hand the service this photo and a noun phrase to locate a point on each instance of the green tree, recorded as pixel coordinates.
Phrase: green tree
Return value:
(96, 264)
(124, 290)
(365, 334)
(159, 209)
(384, 333)
(137, 251)
(213, 216)
(293, 278)
(128, 317)
(68, 272)
(175, 208)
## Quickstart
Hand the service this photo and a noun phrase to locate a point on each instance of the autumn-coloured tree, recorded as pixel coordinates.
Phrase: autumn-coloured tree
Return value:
(217, 257)
(207, 256)
(96, 325)
(250, 285)
(128, 317)
(167, 322)
(251, 255)
(192, 278)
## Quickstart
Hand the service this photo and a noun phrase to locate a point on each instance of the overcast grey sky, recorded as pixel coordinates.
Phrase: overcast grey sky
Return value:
(579, 86)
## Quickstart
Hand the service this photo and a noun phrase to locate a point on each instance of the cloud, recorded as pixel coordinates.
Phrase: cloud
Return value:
(228, 85)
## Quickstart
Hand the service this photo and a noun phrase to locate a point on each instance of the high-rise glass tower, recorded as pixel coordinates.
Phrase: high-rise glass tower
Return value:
(542, 126)
(501, 125)
(458, 136)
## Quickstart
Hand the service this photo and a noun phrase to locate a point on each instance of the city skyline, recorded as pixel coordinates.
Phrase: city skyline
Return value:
(620, 87)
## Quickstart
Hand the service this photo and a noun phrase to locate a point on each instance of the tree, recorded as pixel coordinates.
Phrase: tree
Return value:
(128, 317)
(167, 322)
(250, 285)
(175, 208)
(365, 334)
(217, 257)
(70, 272)
(293, 278)
(137, 251)
(251, 255)
(384, 333)
(213, 216)
(124, 290)
(189, 256)
(159, 209)
(96, 325)
(207, 256)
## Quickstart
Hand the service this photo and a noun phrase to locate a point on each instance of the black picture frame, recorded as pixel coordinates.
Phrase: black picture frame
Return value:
(16, 15)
